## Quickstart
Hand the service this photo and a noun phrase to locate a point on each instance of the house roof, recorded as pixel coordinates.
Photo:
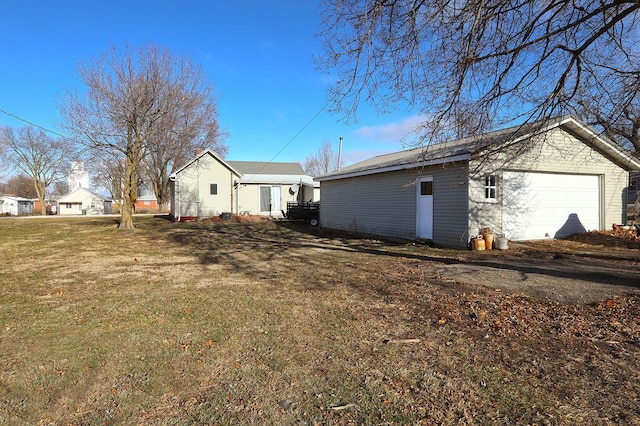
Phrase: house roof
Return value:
(259, 171)
(279, 179)
(10, 197)
(70, 196)
(266, 168)
(464, 149)
(210, 152)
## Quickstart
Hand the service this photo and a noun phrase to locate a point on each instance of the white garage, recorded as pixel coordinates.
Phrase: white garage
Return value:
(549, 205)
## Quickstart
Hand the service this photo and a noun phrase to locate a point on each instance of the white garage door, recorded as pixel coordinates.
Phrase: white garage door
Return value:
(546, 205)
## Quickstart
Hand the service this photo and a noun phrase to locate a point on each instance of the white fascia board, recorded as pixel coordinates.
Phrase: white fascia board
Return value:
(614, 150)
(275, 179)
(435, 162)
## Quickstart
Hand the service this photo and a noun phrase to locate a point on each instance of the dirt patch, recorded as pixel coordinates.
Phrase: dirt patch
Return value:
(237, 218)
(584, 269)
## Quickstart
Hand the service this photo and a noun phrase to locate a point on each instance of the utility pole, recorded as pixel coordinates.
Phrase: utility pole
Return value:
(340, 154)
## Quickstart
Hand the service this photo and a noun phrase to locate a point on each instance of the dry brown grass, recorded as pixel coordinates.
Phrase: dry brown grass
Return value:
(259, 323)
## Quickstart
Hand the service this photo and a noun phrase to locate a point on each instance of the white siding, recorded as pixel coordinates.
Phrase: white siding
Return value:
(557, 152)
(79, 200)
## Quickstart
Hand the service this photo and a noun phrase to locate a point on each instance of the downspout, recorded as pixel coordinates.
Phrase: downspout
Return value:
(198, 188)
(175, 203)
(231, 191)
(178, 198)
(236, 185)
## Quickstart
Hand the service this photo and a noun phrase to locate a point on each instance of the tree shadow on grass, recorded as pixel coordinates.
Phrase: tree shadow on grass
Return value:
(307, 254)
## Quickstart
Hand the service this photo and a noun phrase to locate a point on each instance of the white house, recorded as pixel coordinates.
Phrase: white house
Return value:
(208, 186)
(83, 202)
(545, 180)
(15, 206)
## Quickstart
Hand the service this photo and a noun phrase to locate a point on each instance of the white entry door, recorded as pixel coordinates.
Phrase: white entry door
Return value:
(424, 209)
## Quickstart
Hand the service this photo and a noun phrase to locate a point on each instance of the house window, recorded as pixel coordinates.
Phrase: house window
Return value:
(426, 188)
(147, 202)
(213, 189)
(93, 204)
(67, 205)
(270, 197)
(490, 187)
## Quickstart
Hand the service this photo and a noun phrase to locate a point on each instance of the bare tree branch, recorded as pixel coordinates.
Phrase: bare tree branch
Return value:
(506, 61)
(44, 159)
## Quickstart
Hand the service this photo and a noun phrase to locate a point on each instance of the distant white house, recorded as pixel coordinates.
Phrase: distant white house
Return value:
(83, 202)
(15, 206)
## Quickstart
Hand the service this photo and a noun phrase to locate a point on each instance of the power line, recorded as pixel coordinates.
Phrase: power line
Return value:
(33, 124)
(300, 131)
(292, 139)
(268, 162)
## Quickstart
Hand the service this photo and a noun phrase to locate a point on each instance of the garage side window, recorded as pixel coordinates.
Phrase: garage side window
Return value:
(491, 188)
(213, 189)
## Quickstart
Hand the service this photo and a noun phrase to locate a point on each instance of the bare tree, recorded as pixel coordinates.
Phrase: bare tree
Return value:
(616, 111)
(41, 157)
(176, 139)
(19, 185)
(108, 171)
(323, 161)
(133, 99)
(502, 61)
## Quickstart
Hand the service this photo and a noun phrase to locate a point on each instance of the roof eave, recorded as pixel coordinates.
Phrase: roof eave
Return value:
(394, 168)
(609, 148)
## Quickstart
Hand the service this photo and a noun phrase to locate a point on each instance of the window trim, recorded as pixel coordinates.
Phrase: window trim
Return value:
(213, 189)
(426, 187)
(491, 188)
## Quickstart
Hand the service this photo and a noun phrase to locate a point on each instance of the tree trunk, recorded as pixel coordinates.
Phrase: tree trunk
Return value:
(129, 196)
(40, 192)
(164, 205)
(43, 206)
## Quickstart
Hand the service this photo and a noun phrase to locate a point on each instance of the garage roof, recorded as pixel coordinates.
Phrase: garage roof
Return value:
(464, 149)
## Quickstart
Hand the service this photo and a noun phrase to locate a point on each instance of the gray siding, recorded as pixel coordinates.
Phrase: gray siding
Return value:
(451, 205)
(381, 204)
(384, 204)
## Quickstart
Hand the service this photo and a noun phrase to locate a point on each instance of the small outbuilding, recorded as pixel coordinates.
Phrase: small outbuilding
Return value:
(84, 202)
(209, 186)
(15, 206)
(544, 180)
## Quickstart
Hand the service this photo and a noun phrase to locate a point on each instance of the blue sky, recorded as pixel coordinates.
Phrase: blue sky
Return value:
(256, 53)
